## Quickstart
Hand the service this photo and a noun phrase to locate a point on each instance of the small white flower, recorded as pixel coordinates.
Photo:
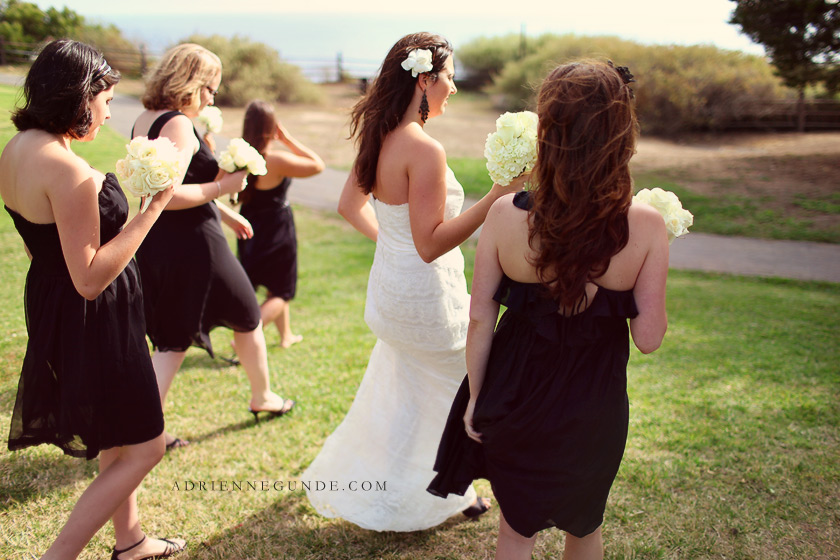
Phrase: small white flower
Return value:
(512, 149)
(677, 219)
(211, 118)
(418, 61)
(150, 166)
(239, 154)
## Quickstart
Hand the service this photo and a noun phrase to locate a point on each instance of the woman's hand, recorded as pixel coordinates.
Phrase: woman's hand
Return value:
(281, 134)
(240, 226)
(516, 185)
(160, 199)
(468, 422)
(231, 183)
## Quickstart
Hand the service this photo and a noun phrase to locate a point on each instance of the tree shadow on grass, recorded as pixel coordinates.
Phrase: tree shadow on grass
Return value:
(289, 529)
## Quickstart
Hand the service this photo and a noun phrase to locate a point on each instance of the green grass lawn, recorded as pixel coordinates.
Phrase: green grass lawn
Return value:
(733, 452)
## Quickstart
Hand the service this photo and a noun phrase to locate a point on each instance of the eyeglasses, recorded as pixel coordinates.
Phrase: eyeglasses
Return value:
(212, 91)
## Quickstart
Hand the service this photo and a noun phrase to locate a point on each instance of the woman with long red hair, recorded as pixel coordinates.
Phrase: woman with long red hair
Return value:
(543, 412)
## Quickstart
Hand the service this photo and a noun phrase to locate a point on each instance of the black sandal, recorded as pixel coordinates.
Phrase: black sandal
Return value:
(477, 509)
(288, 405)
(171, 549)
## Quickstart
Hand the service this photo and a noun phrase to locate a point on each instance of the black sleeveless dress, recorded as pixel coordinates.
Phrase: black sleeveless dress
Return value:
(192, 282)
(553, 411)
(87, 381)
(270, 257)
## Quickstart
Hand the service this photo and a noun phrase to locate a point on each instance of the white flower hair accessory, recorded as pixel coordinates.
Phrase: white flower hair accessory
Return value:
(418, 61)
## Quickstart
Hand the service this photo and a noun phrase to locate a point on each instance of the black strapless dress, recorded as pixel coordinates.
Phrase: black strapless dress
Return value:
(553, 411)
(270, 257)
(87, 381)
(192, 282)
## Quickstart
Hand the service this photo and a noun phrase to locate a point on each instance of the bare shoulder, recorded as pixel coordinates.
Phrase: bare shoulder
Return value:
(503, 210)
(416, 142)
(644, 218)
(179, 124)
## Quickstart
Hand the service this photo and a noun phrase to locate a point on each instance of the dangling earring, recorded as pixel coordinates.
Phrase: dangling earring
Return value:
(424, 107)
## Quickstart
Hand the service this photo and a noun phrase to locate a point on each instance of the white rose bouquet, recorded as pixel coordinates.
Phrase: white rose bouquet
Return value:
(512, 149)
(211, 118)
(677, 219)
(149, 167)
(241, 155)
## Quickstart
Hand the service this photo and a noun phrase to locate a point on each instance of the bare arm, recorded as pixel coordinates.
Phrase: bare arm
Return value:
(235, 221)
(484, 311)
(300, 161)
(353, 207)
(75, 206)
(180, 131)
(433, 236)
(649, 326)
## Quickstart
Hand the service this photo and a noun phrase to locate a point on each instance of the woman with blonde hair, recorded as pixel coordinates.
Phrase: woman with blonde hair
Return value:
(417, 298)
(270, 256)
(192, 282)
(543, 412)
(87, 384)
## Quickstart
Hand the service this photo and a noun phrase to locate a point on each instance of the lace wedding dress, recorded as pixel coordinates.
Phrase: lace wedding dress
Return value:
(375, 467)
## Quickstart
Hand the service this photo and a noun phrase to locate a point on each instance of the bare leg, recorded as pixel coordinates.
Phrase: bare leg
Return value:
(271, 309)
(511, 545)
(284, 327)
(166, 365)
(276, 310)
(112, 491)
(590, 547)
(250, 347)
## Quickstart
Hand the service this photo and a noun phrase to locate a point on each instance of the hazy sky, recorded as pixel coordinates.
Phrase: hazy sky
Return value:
(646, 21)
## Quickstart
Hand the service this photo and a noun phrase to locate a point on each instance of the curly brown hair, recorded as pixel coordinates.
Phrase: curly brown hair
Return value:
(586, 136)
(176, 82)
(382, 108)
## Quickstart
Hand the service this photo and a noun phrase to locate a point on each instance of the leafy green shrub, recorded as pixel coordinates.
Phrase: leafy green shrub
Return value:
(483, 59)
(253, 70)
(678, 88)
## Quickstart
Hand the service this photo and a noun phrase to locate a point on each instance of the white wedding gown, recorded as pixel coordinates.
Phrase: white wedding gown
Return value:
(388, 441)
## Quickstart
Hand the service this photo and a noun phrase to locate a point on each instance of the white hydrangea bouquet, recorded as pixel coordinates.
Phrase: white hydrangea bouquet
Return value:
(677, 218)
(149, 167)
(211, 118)
(238, 155)
(512, 149)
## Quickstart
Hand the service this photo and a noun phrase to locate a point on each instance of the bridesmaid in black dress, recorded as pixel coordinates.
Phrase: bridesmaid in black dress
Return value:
(192, 282)
(87, 384)
(543, 413)
(270, 256)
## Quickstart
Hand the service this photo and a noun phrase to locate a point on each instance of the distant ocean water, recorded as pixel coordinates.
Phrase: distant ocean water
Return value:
(315, 41)
(312, 41)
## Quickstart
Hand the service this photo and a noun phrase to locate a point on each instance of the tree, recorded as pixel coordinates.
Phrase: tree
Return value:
(801, 38)
(27, 23)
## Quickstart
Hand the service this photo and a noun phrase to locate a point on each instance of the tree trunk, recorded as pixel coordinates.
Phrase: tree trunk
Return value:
(800, 111)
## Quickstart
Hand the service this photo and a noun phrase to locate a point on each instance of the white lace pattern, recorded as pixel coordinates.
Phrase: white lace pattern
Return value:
(419, 312)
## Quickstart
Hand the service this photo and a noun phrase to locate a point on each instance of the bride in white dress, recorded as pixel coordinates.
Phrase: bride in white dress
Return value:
(373, 470)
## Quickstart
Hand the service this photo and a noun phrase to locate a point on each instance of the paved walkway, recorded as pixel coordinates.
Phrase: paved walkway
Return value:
(697, 251)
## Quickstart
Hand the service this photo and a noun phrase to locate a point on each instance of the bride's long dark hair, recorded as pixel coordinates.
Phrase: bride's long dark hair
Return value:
(383, 107)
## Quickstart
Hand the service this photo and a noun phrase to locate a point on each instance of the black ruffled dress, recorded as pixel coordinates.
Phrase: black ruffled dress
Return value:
(553, 411)
(87, 381)
(192, 282)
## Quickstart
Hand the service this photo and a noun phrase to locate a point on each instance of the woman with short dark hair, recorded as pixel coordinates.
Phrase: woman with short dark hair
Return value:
(87, 384)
